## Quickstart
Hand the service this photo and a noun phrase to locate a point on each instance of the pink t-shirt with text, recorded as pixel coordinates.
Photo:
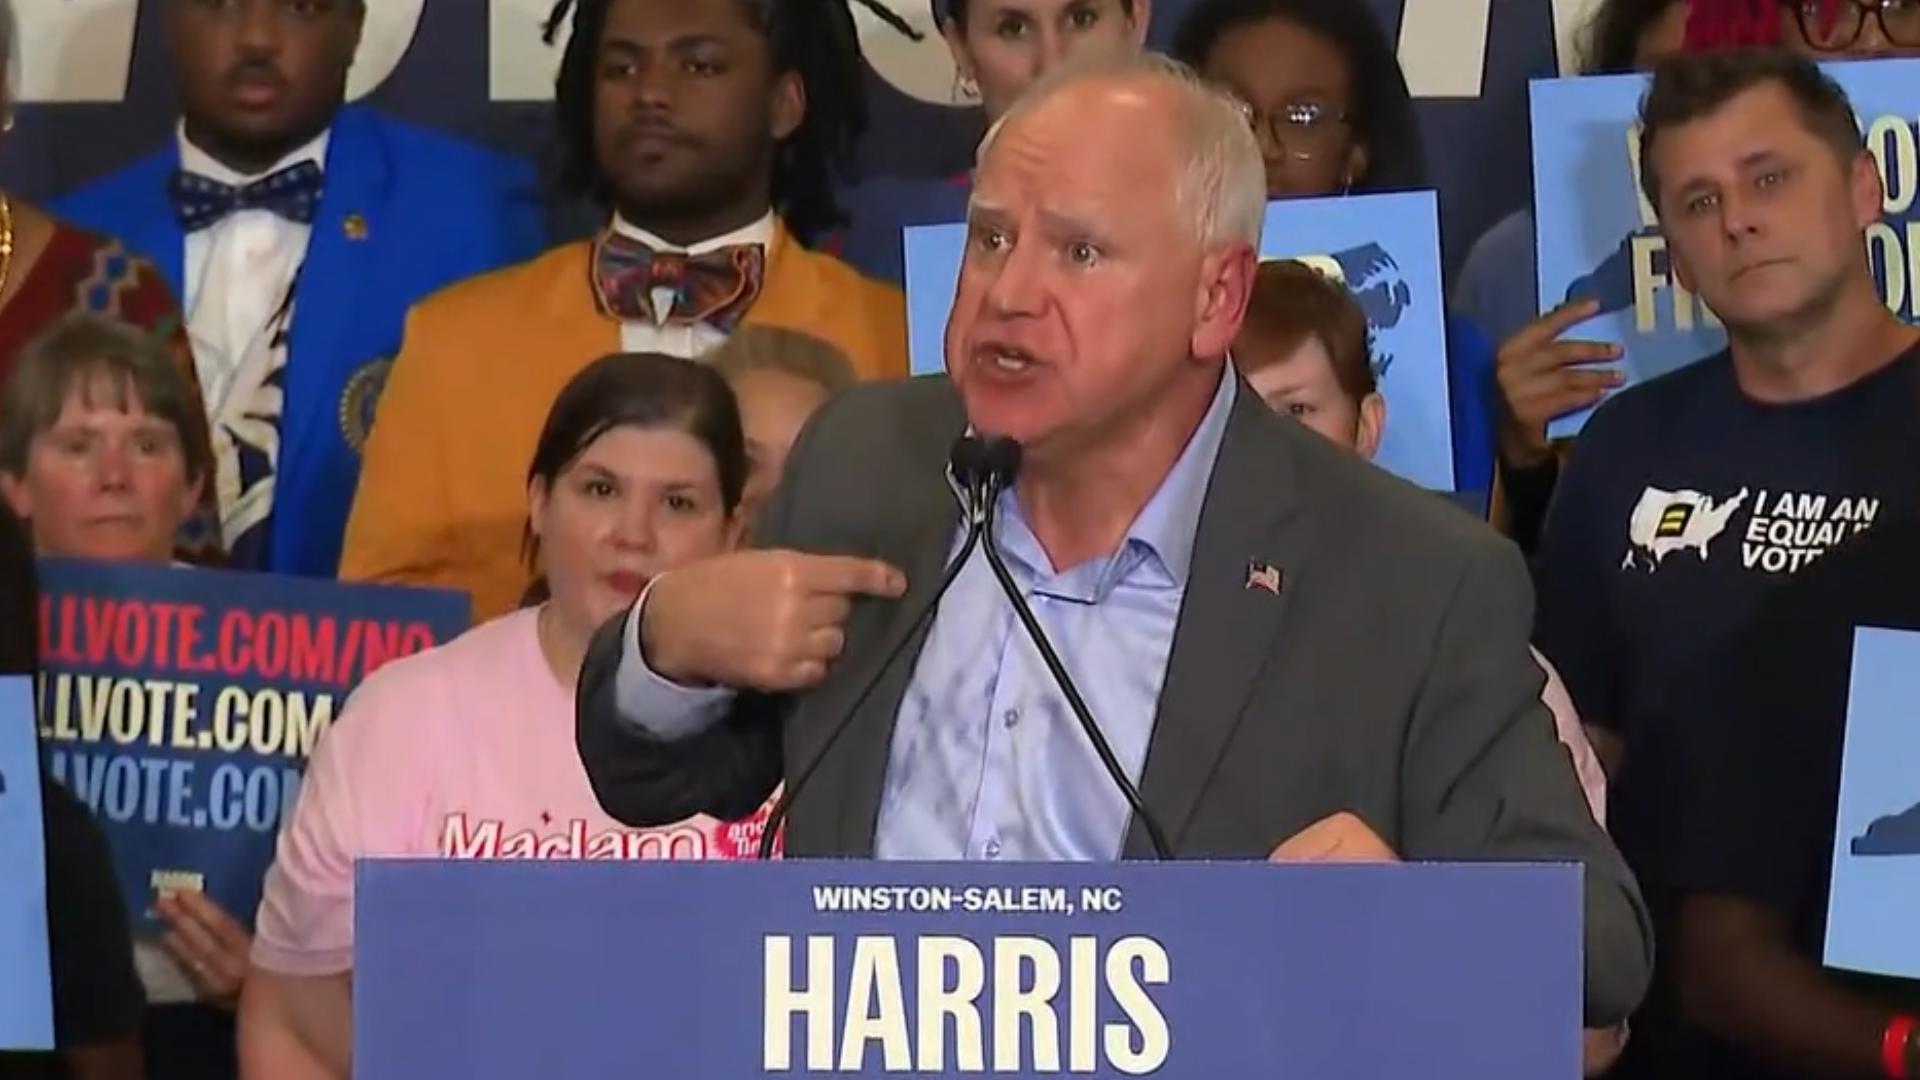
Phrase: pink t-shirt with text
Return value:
(464, 751)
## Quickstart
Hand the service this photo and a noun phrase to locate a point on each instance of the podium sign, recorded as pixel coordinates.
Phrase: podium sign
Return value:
(826, 968)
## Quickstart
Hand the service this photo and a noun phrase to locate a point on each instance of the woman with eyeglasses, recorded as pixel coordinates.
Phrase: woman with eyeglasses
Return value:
(1826, 29)
(1323, 89)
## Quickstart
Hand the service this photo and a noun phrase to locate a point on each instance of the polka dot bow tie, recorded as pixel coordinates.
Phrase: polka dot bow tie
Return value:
(292, 193)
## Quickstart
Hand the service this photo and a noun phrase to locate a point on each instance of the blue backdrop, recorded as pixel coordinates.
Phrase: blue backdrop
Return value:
(1876, 846)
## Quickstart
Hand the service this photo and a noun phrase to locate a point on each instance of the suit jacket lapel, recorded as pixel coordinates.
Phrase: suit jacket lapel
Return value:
(866, 746)
(338, 263)
(1228, 625)
(157, 234)
(788, 292)
(856, 767)
(572, 323)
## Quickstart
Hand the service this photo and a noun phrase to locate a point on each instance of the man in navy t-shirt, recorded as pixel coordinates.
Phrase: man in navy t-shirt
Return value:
(1689, 498)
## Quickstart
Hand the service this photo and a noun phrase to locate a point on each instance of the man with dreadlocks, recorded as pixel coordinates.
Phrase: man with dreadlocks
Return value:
(715, 130)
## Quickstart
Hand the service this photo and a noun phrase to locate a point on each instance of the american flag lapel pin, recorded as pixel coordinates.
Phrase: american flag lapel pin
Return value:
(1262, 575)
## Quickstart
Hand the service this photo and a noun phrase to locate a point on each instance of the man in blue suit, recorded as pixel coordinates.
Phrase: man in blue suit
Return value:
(297, 231)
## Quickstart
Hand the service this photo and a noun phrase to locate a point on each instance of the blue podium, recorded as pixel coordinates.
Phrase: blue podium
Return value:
(828, 968)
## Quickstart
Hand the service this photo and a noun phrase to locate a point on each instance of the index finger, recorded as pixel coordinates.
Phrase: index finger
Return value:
(850, 574)
(1556, 322)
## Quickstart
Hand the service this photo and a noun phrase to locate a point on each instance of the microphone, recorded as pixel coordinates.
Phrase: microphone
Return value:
(967, 464)
(997, 463)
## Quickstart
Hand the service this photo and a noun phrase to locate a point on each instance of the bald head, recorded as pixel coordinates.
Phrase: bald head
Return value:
(1172, 117)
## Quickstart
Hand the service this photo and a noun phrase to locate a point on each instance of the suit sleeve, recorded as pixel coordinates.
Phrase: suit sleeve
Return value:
(401, 529)
(725, 767)
(725, 770)
(1486, 779)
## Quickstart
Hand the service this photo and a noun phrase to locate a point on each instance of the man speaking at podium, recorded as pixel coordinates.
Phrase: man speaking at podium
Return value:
(1264, 645)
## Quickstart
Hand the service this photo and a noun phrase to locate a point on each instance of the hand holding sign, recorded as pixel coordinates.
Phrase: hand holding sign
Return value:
(209, 945)
(1542, 377)
(768, 620)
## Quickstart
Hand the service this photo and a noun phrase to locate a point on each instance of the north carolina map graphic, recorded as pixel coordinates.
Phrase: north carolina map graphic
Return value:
(1897, 834)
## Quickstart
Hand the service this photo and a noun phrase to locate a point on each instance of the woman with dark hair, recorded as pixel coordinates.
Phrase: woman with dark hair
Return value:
(96, 995)
(467, 750)
(1323, 90)
(1001, 46)
(1321, 86)
(1630, 35)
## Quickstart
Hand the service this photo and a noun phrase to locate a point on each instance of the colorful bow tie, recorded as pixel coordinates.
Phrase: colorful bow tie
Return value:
(292, 193)
(715, 287)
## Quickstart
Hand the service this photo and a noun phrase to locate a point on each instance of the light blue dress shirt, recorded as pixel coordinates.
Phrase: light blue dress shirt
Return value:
(987, 760)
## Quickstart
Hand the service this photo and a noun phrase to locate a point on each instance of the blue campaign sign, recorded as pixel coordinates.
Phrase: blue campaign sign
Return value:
(181, 704)
(823, 968)
(1386, 248)
(1598, 238)
(1876, 844)
(26, 987)
(933, 254)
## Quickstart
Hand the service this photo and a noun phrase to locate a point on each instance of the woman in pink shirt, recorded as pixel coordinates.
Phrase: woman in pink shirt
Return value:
(466, 751)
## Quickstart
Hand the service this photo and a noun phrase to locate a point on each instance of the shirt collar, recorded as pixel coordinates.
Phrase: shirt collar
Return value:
(755, 232)
(1167, 524)
(200, 163)
(1161, 535)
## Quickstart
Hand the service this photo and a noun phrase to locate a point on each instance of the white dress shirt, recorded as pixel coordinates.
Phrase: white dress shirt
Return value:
(692, 339)
(238, 271)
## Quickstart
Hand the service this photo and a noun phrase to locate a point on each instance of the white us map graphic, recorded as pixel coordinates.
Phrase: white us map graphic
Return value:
(1664, 522)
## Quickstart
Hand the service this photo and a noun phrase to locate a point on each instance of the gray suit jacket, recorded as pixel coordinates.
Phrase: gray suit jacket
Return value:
(1390, 677)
